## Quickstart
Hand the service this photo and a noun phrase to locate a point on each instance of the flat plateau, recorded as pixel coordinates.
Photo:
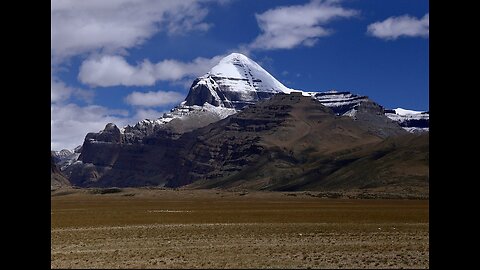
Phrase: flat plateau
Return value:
(163, 228)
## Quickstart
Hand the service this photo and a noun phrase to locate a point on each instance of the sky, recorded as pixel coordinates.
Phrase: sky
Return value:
(122, 61)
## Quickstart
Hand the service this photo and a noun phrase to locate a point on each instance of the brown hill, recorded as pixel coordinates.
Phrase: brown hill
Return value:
(309, 148)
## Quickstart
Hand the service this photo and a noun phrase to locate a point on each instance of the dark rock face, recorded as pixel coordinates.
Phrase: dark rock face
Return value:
(418, 123)
(218, 91)
(111, 134)
(201, 93)
(102, 148)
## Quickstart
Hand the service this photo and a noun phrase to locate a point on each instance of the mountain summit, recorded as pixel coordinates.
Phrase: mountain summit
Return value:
(236, 81)
(238, 66)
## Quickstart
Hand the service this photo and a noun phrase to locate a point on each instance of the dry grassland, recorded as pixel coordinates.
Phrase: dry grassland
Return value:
(142, 228)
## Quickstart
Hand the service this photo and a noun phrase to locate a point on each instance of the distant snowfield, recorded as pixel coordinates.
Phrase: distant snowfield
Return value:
(401, 111)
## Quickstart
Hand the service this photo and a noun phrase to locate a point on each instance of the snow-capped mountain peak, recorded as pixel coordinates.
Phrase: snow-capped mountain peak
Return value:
(256, 78)
(235, 82)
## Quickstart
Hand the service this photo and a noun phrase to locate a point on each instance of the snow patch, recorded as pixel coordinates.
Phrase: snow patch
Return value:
(416, 129)
(401, 111)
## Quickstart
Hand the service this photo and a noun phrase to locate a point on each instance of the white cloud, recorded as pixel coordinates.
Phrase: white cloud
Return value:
(141, 114)
(114, 70)
(70, 123)
(175, 70)
(110, 70)
(287, 27)
(395, 27)
(60, 92)
(153, 99)
(84, 26)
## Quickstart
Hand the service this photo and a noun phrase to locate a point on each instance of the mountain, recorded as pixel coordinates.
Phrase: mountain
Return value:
(412, 121)
(238, 120)
(310, 149)
(65, 157)
(277, 144)
(57, 179)
(289, 142)
(234, 83)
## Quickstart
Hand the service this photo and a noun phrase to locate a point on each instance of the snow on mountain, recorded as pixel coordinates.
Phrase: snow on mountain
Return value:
(416, 129)
(341, 102)
(181, 118)
(235, 82)
(65, 157)
(244, 74)
(401, 111)
(61, 154)
(412, 121)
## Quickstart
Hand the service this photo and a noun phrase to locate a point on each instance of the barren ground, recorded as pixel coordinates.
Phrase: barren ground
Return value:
(148, 228)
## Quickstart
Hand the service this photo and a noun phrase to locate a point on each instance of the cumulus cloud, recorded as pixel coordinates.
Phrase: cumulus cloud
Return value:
(143, 113)
(402, 26)
(60, 92)
(70, 123)
(114, 70)
(153, 99)
(113, 25)
(109, 70)
(287, 27)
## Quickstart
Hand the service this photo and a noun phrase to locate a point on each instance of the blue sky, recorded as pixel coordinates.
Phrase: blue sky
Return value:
(107, 54)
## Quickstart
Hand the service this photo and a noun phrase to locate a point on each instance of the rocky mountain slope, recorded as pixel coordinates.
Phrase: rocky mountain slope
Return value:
(57, 179)
(289, 142)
